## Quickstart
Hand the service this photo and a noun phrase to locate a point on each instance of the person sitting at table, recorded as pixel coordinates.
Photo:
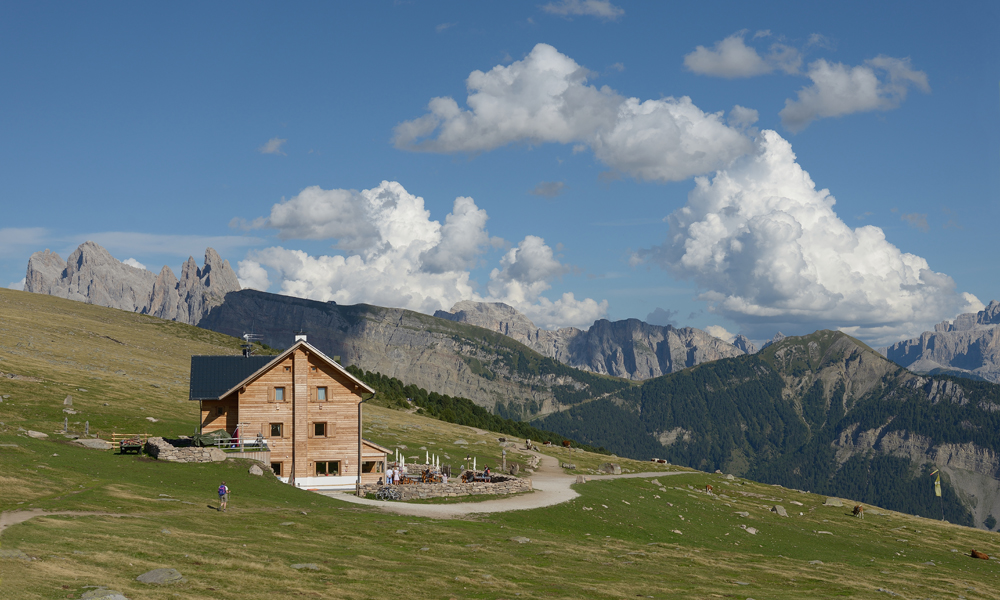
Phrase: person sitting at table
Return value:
(486, 471)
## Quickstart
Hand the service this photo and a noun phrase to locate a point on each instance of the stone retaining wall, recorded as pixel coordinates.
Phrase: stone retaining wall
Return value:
(410, 491)
(161, 449)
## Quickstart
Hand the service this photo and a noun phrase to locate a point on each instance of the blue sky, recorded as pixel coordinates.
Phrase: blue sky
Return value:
(266, 131)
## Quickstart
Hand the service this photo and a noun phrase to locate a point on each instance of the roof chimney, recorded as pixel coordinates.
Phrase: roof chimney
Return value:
(300, 336)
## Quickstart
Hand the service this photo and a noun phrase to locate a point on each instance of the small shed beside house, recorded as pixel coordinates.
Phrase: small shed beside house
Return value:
(305, 406)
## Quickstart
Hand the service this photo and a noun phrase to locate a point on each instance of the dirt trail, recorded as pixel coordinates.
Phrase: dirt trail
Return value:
(20, 516)
(551, 485)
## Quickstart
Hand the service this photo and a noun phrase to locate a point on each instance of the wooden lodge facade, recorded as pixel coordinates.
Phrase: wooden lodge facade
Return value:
(305, 406)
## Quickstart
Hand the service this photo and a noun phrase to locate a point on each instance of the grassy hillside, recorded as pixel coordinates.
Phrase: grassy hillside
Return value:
(660, 536)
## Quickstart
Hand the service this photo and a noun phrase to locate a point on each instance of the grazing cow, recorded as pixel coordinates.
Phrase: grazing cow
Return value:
(709, 488)
(978, 554)
(859, 511)
(566, 443)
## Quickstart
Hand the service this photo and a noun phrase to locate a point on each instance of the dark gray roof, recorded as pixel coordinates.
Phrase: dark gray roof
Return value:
(212, 376)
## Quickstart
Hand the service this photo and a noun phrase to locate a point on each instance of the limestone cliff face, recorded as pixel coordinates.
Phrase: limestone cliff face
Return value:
(432, 353)
(92, 275)
(970, 346)
(630, 349)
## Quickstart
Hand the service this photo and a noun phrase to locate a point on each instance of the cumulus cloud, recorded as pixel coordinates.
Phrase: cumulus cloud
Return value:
(272, 146)
(602, 9)
(444, 27)
(545, 98)
(134, 263)
(720, 332)
(404, 259)
(662, 317)
(881, 83)
(548, 189)
(17, 285)
(252, 276)
(767, 247)
(732, 58)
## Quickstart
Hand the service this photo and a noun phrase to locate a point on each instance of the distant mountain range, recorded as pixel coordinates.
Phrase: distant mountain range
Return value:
(969, 347)
(631, 349)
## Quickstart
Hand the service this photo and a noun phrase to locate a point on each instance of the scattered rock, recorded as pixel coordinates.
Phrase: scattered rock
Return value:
(81, 390)
(567, 466)
(823, 532)
(38, 435)
(743, 513)
(729, 476)
(611, 468)
(287, 523)
(833, 502)
(310, 566)
(520, 539)
(68, 401)
(750, 530)
(9, 553)
(780, 510)
(815, 562)
(103, 594)
(70, 411)
(581, 479)
(655, 482)
(885, 591)
(460, 443)
(677, 531)
(152, 420)
(741, 583)
(256, 470)
(161, 576)
(401, 531)
(165, 531)
(424, 549)
(796, 503)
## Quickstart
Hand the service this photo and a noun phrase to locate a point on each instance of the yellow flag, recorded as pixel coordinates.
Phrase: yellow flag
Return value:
(937, 486)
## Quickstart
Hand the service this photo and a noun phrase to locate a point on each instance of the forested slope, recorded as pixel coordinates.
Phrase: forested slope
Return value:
(822, 412)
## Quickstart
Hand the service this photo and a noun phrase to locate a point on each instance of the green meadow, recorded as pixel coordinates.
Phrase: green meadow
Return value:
(659, 536)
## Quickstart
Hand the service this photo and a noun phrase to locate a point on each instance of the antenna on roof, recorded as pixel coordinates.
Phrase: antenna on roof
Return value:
(248, 340)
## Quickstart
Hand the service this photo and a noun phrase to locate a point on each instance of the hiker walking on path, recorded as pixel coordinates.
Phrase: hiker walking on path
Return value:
(223, 496)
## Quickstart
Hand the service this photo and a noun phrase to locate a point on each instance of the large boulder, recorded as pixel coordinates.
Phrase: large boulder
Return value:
(161, 576)
(611, 468)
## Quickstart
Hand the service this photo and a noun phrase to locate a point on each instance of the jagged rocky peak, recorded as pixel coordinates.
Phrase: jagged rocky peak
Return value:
(92, 275)
(968, 321)
(967, 347)
(743, 343)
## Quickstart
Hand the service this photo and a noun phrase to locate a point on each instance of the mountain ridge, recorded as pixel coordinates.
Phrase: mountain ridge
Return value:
(818, 412)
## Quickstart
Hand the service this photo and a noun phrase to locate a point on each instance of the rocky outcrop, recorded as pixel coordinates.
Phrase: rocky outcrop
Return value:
(631, 349)
(968, 347)
(92, 275)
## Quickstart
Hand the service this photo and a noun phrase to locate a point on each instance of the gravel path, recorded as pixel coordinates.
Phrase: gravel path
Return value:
(551, 485)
